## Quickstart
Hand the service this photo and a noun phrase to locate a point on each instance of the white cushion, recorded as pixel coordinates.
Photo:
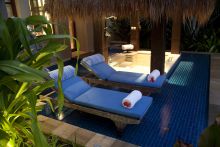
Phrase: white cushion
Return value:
(127, 47)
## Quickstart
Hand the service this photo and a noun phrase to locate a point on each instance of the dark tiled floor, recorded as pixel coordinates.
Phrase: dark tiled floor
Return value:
(182, 106)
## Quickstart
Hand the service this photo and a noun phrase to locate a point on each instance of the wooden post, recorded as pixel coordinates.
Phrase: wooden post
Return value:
(158, 46)
(104, 40)
(176, 35)
(71, 32)
(97, 26)
(135, 32)
(14, 9)
(100, 40)
(3, 10)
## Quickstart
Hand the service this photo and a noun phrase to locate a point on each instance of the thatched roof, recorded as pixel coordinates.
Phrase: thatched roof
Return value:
(153, 9)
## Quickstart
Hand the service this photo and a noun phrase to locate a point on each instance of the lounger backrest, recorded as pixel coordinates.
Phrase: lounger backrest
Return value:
(73, 86)
(96, 63)
(93, 60)
(68, 71)
(102, 70)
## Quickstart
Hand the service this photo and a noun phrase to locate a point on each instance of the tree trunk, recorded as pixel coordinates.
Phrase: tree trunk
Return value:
(176, 35)
(100, 40)
(71, 32)
(135, 32)
(158, 46)
(97, 27)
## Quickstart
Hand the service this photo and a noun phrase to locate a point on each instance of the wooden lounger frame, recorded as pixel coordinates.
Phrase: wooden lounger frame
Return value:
(93, 79)
(120, 121)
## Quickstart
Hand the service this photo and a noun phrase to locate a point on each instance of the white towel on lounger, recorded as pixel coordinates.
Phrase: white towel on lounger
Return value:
(152, 77)
(131, 99)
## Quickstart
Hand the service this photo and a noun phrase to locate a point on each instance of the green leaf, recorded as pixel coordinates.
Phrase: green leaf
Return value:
(16, 69)
(22, 33)
(39, 138)
(3, 138)
(27, 77)
(24, 37)
(38, 89)
(2, 103)
(48, 30)
(210, 137)
(36, 20)
(44, 61)
(51, 48)
(48, 37)
(5, 37)
(10, 83)
(60, 89)
(78, 54)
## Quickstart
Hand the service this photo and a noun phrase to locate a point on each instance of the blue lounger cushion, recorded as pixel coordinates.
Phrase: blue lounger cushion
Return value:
(93, 59)
(102, 70)
(68, 71)
(74, 87)
(79, 92)
(111, 101)
(136, 78)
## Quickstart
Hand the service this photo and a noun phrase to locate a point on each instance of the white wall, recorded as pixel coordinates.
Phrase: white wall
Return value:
(23, 8)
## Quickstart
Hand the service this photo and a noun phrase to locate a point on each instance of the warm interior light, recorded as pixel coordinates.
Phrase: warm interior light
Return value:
(60, 116)
(114, 17)
(133, 28)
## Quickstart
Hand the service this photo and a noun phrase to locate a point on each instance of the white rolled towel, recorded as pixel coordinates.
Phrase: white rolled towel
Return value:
(130, 100)
(127, 47)
(152, 77)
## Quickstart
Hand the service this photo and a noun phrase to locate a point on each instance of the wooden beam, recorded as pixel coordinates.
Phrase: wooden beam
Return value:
(158, 46)
(135, 32)
(71, 32)
(176, 35)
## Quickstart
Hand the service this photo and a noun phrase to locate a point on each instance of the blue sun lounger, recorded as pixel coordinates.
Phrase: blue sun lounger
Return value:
(96, 64)
(102, 102)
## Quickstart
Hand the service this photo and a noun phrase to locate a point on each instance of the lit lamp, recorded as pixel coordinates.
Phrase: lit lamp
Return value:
(133, 28)
(60, 116)
(111, 17)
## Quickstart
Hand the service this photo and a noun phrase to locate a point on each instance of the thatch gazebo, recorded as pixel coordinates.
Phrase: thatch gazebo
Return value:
(158, 11)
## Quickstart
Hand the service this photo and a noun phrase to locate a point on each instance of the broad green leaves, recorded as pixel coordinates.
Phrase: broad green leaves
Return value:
(5, 40)
(60, 89)
(22, 79)
(21, 72)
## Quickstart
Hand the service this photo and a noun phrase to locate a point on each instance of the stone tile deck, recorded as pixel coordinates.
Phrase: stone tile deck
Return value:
(71, 133)
(214, 92)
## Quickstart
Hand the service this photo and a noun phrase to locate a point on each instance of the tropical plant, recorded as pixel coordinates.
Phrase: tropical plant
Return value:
(210, 136)
(22, 78)
(119, 29)
(202, 38)
(145, 33)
